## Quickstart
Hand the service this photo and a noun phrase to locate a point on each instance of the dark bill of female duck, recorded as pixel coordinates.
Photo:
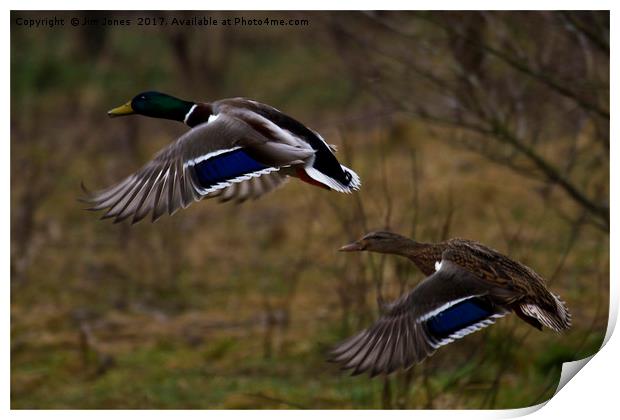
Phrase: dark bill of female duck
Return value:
(236, 149)
(467, 288)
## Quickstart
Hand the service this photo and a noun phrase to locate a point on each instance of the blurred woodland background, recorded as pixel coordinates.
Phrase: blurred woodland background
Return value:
(492, 126)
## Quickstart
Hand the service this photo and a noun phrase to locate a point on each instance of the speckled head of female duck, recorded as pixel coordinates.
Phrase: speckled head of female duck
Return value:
(381, 241)
(156, 105)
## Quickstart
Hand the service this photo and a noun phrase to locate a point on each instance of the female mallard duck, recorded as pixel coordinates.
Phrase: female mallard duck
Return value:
(236, 148)
(467, 287)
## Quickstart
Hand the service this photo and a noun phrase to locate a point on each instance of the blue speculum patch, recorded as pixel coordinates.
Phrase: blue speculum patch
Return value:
(226, 166)
(457, 317)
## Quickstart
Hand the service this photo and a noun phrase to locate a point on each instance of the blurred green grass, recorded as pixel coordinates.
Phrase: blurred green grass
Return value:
(225, 306)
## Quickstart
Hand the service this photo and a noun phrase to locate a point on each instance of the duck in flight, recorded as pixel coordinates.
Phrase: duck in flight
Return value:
(235, 149)
(468, 286)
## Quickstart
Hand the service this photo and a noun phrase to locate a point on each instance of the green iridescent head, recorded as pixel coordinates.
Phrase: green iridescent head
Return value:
(156, 105)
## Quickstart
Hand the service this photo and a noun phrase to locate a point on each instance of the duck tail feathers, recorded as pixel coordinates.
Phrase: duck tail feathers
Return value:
(348, 183)
(557, 320)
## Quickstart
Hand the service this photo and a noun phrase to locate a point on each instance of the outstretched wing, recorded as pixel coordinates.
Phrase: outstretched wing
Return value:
(446, 306)
(250, 189)
(210, 157)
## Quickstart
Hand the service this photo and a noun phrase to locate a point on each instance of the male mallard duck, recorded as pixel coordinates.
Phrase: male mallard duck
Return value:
(467, 287)
(236, 148)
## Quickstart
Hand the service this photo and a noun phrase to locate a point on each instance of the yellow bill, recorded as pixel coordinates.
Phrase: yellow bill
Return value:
(124, 109)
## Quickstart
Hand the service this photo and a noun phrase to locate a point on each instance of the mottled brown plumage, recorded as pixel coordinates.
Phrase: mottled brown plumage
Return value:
(468, 286)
